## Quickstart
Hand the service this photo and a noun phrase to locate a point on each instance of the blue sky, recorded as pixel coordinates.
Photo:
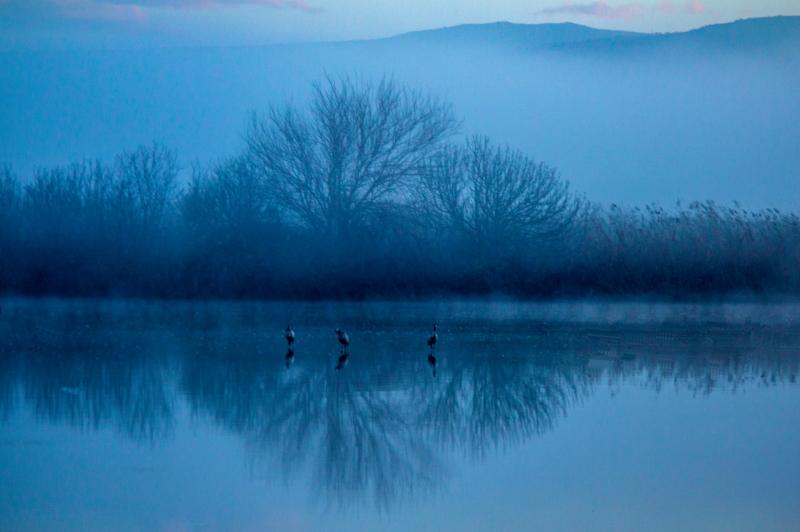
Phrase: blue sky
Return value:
(110, 23)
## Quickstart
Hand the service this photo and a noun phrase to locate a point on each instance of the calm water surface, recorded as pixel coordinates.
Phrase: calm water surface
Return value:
(579, 416)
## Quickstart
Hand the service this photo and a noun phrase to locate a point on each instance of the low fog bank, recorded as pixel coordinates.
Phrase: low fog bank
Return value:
(706, 115)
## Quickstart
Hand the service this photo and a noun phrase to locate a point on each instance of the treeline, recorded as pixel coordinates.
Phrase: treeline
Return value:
(364, 194)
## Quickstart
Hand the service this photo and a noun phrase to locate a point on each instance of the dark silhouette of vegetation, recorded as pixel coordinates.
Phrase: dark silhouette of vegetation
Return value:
(336, 168)
(494, 199)
(364, 194)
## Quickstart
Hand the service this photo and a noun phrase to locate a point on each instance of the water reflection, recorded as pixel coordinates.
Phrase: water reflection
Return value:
(68, 374)
(380, 431)
(341, 362)
(432, 363)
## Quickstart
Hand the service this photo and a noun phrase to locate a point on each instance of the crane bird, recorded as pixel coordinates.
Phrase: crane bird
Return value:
(289, 333)
(344, 340)
(433, 338)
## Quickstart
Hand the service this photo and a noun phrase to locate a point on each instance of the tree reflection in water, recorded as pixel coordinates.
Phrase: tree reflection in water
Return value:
(381, 429)
(70, 372)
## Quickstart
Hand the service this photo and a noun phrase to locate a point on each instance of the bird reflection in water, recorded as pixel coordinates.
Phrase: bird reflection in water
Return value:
(289, 358)
(432, 363)
(341, 362)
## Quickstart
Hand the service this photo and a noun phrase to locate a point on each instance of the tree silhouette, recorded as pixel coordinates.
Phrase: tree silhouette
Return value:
(336, 166)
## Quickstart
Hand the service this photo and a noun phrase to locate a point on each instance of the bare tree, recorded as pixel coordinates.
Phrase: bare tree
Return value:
(333, 166)
(494, 196)
(9, 187)
(148, 184)
(10, 195)
(229, 194)
(73, 198)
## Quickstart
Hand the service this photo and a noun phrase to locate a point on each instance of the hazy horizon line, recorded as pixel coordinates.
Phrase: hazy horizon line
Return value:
(356, 40)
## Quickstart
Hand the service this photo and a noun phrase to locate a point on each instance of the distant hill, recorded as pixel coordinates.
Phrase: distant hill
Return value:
(746, 33)
(738, 35)
(530, 36)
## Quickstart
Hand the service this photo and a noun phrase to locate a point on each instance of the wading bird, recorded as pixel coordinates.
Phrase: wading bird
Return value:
(433, 338)
(289, 335)
(344, 340)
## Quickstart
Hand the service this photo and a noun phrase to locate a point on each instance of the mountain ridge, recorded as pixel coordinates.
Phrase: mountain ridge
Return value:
(504, 32)
(739, 33)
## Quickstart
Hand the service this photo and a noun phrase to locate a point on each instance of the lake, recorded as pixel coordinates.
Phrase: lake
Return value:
(133, 415)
